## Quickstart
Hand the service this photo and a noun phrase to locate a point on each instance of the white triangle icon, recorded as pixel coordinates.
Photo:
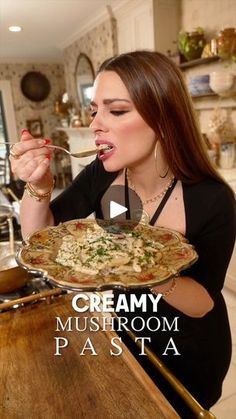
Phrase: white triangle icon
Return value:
(116, 209)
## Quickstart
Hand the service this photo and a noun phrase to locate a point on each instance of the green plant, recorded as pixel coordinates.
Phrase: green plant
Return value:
(191, 44)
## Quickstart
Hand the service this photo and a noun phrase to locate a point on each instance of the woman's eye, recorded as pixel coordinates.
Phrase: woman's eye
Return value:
(93, 114)
(118, 113)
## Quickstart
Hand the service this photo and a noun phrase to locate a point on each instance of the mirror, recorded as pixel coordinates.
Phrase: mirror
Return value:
(84, 77)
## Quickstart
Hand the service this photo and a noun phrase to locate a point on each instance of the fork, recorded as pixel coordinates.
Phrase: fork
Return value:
(82, 153)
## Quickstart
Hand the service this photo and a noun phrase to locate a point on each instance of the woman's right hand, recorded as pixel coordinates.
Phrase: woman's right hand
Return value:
(30, 161)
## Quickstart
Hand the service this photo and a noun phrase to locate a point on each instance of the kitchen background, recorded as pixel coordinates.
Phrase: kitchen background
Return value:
(128, 25)
(121, 26)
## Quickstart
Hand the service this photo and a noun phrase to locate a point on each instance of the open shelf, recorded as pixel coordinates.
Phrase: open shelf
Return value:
(204, 96)
(199, 61)
(211, 101)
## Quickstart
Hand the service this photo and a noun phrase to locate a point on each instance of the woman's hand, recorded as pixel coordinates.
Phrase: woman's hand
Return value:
(30, 161)
(187, 295)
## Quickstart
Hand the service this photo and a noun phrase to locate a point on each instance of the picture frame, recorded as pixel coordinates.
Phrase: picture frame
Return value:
(35, 126)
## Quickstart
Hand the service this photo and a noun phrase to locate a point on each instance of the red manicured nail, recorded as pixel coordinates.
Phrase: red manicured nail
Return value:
(47, 141)
(24, 131)
(48, 156)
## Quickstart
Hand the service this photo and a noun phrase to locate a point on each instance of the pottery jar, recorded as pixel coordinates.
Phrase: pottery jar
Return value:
(191, 44)
(226, 43)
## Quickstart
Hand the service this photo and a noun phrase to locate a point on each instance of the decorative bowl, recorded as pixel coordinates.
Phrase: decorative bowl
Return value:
(222, 83)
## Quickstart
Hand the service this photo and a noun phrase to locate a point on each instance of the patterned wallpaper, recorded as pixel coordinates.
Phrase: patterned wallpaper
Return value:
(26, 109)
(98, 44)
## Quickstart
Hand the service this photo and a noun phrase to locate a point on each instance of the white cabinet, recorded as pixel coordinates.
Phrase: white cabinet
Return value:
(141, 25)
(135, 26)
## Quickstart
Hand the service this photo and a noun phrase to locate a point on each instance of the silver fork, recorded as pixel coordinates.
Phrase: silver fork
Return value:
(82, 153)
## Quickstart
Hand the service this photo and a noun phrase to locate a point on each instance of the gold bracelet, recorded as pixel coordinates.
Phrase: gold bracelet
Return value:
(169, 291)
(37, 196)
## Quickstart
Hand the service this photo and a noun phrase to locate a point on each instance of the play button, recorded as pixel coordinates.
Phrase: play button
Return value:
(116, 209)
(119, 209)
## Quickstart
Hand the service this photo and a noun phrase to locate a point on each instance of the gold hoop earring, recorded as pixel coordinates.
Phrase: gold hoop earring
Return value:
(155, 156)
(166, 173)
(161, 132)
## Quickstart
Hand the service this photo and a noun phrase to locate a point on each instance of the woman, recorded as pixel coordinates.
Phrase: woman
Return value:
(142, 113)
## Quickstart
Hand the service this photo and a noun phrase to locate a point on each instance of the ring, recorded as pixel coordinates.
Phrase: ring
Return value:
(14, 155)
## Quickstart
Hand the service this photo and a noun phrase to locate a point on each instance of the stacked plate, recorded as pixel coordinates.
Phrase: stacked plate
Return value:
(199, 85)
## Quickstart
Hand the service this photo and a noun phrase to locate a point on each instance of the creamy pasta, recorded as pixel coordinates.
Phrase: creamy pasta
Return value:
(98, 251)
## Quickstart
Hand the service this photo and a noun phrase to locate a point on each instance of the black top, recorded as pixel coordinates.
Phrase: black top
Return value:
(209, 209)
(204, 343)
(160, 206)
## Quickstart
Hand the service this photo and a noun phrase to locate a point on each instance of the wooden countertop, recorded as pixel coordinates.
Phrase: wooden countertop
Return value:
(37, 384)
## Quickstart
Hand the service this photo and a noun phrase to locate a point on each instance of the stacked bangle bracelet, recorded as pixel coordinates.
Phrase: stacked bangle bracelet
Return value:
(169, 291)
(37, 196)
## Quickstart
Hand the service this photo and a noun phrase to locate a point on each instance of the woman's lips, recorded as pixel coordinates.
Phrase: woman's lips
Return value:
(105, 149)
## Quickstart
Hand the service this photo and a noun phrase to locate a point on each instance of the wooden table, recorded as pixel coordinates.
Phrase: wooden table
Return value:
(37, 384)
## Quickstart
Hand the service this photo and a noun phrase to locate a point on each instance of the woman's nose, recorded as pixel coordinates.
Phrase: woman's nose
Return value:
(98, 123)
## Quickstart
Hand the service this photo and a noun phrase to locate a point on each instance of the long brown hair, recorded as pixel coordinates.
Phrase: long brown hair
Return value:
(159, 93)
